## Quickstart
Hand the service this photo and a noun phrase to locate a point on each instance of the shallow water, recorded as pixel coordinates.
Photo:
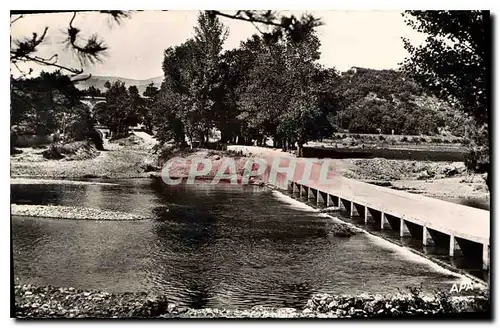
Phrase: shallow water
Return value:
(216, 246)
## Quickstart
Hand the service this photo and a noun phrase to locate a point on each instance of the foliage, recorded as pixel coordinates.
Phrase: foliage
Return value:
(120, 111)
(92, 49)
(88, 50)
(192, 94)
(146, 111)
(386, 101)
(45, 104)
(453, 64)
(93, 92)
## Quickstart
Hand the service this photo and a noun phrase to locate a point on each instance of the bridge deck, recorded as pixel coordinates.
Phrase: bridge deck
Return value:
(452, 219)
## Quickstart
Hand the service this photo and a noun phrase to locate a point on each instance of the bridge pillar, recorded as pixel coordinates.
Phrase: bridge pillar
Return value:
(302, 190)
(403, 228)
(295, 188)
(366, 215)
(426, 237)
(453, 245)
(383, 221)
(486, 257)
(311, 193)
(376, 216)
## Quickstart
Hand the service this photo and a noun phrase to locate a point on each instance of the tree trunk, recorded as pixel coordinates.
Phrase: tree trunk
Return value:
(190, 141)
(300, 149)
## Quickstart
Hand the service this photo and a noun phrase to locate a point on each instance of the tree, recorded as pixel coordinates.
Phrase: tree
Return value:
(88, 51)
(285, 93)
(149, 105)
(453, 64)
(40, 105)
(93, 92)
(92, 49)
(48, 104)
(119, 112)
(192, 92)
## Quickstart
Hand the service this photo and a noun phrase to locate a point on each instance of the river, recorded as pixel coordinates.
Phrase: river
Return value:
(216, 246)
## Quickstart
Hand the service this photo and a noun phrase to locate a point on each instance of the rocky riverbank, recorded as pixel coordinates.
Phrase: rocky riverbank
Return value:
(57, 302)
(74, 213)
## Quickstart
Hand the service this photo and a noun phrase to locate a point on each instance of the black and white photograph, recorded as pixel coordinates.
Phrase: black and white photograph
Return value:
(251, 164)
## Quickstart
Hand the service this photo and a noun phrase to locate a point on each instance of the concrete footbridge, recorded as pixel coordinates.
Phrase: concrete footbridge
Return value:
(462, 229)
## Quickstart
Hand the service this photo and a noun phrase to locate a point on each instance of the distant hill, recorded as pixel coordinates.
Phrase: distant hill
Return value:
(99, 81)
(387, 101)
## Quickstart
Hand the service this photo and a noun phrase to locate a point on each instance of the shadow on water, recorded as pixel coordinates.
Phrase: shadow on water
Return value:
(469, 264)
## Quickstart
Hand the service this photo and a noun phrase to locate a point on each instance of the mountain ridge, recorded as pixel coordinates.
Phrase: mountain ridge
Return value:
(98, 81)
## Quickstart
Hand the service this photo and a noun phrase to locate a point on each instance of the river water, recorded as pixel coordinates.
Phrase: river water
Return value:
(217, 246)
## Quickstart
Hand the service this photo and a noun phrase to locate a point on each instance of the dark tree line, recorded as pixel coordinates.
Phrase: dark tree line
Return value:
(275, 88)
(269, 87)
(454, 64)
(124, 107)
(48, 104)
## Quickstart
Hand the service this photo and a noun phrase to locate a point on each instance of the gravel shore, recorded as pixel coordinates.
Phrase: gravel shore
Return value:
(53, 302)
(24, 181)
(74, 213)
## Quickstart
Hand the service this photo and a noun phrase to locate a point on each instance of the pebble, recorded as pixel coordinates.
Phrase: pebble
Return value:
(74, 213)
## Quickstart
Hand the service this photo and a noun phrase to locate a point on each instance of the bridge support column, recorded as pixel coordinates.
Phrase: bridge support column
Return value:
(379, 219)
(295, 188)
(486, 257)
(302, 190)
(403, 228)
(366, 215)
(426, 237)
(311, 193)
(383, 221)
(453, 245)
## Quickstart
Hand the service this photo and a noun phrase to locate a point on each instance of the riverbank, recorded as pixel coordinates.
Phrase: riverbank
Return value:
(72, 213)
(129, 158)
(133, 158)
(60, 302)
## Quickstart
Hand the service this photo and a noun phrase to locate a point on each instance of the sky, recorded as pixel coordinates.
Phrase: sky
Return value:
(369, 39)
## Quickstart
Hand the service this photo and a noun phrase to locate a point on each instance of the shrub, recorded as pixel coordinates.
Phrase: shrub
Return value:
(404, 139)
(96, 137)
(381, 138)
(423, 139)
